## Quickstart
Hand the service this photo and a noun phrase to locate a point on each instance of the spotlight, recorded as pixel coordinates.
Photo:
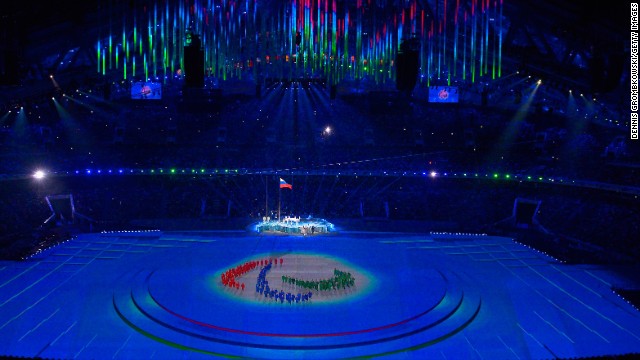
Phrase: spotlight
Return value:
(39, 174)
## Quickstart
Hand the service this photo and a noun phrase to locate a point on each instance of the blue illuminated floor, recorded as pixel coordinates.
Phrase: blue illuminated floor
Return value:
(156, 295)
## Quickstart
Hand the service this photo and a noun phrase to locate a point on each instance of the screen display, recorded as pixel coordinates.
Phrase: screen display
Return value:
(149, 90)
(443, 94)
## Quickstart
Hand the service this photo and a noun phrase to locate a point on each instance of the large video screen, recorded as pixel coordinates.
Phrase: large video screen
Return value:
(443, 94)
(148, 90)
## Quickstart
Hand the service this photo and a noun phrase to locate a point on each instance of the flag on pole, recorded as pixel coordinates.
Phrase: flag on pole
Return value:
(285, 185)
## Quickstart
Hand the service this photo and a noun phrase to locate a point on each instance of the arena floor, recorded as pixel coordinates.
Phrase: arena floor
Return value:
(159, 295)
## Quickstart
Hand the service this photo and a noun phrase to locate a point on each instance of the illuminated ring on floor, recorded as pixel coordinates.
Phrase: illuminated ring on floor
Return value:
(417, 329)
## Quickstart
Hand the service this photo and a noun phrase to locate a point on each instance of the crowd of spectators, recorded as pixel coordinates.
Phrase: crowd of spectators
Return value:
(295, 127)
(286, 127)
(571, 215)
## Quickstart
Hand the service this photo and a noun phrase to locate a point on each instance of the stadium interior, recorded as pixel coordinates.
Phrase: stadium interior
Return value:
(419, 116)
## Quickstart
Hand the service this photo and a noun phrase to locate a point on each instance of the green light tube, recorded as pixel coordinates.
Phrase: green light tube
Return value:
(110, 50)
(98, 55)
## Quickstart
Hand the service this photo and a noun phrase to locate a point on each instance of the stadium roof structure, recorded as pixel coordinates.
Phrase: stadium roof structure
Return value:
(570, 44)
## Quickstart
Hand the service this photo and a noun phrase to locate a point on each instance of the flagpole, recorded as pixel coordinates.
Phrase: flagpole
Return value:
(279, 191)
(266, 196)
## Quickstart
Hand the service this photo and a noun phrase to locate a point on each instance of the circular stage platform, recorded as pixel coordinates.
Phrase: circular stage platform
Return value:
(185, 308)
(295, 226)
